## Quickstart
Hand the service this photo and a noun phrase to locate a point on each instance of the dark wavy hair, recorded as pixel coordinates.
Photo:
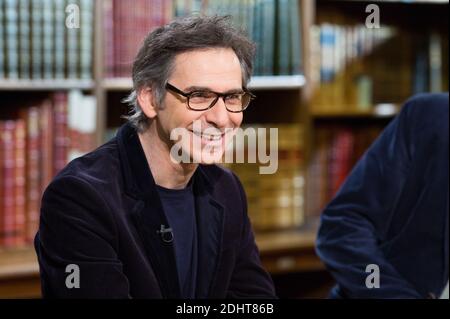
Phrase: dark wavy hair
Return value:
(153, 64)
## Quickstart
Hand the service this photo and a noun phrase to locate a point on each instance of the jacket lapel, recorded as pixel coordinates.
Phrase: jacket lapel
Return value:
(147, 212)
(210, 225)
(446, 239)
(148, 216)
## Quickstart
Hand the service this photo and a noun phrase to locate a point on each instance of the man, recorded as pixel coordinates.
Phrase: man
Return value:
(385, 234)
(135, 223)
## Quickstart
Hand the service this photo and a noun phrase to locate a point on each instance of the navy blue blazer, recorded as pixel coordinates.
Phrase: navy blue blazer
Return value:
(102, 213)
(392, 210)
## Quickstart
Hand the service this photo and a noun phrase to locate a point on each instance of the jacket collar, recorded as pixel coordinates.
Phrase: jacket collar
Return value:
(148, 215)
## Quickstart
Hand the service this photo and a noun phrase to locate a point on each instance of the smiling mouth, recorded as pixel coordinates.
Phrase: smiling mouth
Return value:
(209, 137)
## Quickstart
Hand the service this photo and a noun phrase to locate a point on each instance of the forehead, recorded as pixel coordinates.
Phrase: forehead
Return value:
(216, 68)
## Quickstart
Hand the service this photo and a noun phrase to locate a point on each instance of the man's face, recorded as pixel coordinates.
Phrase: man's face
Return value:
(207, 132)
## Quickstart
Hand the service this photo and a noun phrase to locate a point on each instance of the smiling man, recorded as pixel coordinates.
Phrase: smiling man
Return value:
(133, 222)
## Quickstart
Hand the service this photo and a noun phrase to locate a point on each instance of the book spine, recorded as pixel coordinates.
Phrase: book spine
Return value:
(73, 47)
(59, 39)
(24, 39)
(2, 182)
(2, 41)
(168, 9)
(268, 29)
(295, 37)
(46, 128)
(86, 34)
(8, 209)
(435, 63)
(60, 131)
(257, 31)
(119, 25)
(33, 179)
(19, 183)
(249, 18)
(327, 44)
(108, 28)
(36, 39)
(74, 110)
(47, 43)
(12, 36)
(87, 123)
(283, 37)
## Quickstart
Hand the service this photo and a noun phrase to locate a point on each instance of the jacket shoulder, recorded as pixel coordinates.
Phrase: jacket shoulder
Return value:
(98, 167)
(428, 108)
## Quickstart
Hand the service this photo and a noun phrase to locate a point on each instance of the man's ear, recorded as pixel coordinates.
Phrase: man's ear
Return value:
(147, 103)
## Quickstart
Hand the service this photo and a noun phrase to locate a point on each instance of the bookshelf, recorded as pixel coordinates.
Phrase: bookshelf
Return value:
(282, 82)
(383, 110)
(296, 99)
(45, 85)
(19, 273)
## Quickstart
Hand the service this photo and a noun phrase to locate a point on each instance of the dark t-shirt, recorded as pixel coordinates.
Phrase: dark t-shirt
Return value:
(179, 207)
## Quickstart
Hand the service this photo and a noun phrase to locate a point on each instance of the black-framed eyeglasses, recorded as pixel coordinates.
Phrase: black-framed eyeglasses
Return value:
(204, 100)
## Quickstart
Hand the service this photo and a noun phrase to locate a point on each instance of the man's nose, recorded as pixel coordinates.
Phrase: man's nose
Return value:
(218, 114)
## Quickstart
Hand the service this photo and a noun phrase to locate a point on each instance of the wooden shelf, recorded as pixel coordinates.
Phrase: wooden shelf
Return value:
(18, 263)
(411, 2)
(290, 250)
(281, 252)
(44, 84)
(287, 82)
(278, 82)
(384, 110)
(19, 274)
(117, 84)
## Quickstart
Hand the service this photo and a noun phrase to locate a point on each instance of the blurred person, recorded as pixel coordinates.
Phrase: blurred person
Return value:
(132, 222)
(390, 217)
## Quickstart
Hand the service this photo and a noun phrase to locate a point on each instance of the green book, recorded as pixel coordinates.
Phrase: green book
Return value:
(59, 39)
(24, 39)
(268, 38)
(86, 38)
(36, 39)
(48, 41)
(283, 37)
(258, 36)
(12, 36)
(295, 35)
(73, 49)
(2, 44)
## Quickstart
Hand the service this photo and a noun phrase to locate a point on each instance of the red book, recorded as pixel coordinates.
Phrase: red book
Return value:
(340, 159)
(46, 128)
(60, 131)
(2, 187)
(19, 183)
(108, 27)
(33, 180)
(8, 231)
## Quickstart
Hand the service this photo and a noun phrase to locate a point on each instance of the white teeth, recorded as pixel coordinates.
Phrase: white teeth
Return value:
(208, 136)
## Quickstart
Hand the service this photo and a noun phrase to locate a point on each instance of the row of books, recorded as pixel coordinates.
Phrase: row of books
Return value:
(337, 149)
(334, 46)
(126, 23)
(356, 68)
(275, 201)
(274, 25)
(46, 39)
(34, 147)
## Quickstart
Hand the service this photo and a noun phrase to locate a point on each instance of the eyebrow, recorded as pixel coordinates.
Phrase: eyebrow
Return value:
(204, 88)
